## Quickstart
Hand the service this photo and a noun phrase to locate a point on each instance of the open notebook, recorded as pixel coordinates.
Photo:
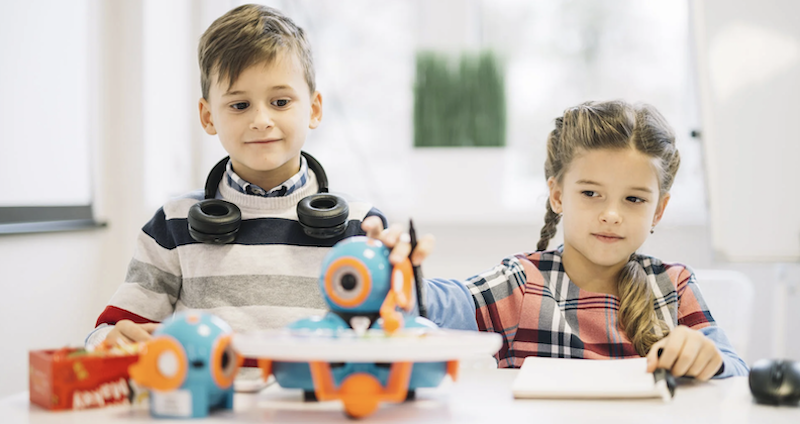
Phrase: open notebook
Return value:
(586, 378)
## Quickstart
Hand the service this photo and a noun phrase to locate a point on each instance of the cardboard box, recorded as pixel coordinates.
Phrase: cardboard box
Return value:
(72, 378)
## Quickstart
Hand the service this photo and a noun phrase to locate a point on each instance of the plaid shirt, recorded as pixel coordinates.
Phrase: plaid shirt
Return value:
(530, 301)
(284, 189)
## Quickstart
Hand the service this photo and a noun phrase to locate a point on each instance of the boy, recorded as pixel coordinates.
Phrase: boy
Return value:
(259, 97)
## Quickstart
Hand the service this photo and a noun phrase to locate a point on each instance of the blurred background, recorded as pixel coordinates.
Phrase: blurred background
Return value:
(436, 110)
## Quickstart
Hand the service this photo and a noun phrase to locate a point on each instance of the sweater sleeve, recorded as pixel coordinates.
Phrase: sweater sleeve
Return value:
(153, 281)
(376, 212)
(693, 313)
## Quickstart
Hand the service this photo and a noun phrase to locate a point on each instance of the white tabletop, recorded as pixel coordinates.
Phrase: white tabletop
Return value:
(478, 396)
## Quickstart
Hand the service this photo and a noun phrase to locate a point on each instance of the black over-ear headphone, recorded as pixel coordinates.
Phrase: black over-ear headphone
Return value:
(322, 215)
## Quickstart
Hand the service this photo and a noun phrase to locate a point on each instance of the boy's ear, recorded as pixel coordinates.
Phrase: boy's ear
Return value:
(316, 110)
(662, 205)
(555, 195)
(206, 120)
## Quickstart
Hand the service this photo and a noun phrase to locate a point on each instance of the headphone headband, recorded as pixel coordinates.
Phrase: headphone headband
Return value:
(322, 178)
(215, 177)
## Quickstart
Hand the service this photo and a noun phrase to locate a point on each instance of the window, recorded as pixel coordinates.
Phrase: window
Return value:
(45, 165)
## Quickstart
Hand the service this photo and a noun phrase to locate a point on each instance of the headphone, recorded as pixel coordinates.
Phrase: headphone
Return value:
(322, 215)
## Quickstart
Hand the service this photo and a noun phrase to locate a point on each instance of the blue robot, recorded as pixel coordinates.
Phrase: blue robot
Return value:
(363, 291)
(189, 366)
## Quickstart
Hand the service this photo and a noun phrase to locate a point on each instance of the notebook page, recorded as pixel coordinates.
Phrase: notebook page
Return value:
(585, 378)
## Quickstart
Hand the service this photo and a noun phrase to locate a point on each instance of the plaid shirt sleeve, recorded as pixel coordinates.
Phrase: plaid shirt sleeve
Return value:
(693, 313)
(692, 309)
(498, 295)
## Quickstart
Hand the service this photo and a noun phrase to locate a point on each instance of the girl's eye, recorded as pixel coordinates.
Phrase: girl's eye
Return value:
(589, 193)
(281, 103)
(634, 199)
(240, 105)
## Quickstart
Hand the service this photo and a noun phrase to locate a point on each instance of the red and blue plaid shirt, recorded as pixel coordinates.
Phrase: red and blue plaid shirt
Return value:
(530, 301)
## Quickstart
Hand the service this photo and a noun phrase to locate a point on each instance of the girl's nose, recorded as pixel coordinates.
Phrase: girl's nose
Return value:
(262, 119)
(610, 215)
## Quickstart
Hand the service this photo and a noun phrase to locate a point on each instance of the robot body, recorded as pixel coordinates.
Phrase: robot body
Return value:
(189, 366)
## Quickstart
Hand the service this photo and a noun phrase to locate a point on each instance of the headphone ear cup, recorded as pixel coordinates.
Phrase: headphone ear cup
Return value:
(323, 215)
(214, 221)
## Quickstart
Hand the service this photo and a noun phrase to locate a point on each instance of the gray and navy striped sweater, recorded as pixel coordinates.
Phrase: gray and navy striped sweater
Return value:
(267, 278)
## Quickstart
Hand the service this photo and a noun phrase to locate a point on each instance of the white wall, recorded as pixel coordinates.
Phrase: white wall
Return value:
(56, 284)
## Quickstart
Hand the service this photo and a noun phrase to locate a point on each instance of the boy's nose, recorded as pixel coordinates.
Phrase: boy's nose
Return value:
(261, 120)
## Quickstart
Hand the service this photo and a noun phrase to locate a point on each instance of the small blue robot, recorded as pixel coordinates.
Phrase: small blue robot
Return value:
(363, 292)
(189, 366)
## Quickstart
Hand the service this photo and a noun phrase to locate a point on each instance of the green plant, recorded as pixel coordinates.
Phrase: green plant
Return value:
(459, 106)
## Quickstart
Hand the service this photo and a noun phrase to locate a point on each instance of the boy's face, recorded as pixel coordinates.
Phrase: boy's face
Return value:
(610, 201)
(263, 118)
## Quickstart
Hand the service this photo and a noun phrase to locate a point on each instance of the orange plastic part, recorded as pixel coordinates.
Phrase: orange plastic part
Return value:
(365, 278)
(393, 320)
(146, 373)
(266, 367)
(224, 377)
(452, 369)
(361, 393)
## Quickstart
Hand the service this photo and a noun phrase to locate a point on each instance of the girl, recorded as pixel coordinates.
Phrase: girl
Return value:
(609, 169)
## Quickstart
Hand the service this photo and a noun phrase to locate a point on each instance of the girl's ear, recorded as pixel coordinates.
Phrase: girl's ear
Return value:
(555, 195)
(662, 205)
(206, 120)
(316, 110)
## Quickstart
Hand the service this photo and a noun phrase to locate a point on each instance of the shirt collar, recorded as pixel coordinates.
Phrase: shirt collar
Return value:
(284, 189)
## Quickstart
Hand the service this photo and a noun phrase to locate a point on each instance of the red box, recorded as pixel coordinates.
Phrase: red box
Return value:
(72, 379)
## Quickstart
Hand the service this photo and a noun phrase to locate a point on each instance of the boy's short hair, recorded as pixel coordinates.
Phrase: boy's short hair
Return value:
(248, 35)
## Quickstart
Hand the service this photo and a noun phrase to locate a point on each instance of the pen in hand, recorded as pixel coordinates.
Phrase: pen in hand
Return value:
(423, 310)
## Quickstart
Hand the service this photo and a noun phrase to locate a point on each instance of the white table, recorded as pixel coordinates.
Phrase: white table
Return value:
(478, 396)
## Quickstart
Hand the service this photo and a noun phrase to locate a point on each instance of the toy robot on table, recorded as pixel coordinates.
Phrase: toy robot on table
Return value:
(189, 366)
(364, 350)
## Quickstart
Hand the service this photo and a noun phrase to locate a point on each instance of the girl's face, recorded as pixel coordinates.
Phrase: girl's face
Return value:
(610, 201)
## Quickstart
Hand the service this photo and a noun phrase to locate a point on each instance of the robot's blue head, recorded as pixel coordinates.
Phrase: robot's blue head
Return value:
(190, 348)
(357, 276)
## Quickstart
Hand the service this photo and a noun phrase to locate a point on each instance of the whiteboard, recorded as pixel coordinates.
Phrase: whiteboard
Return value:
(748, 71)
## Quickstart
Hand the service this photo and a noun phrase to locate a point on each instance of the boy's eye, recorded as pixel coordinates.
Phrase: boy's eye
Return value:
(281, 103)
(240, 105)
(635, 199)
(590, 193)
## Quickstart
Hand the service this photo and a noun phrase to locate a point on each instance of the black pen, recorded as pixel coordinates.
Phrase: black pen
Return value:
(423, 310)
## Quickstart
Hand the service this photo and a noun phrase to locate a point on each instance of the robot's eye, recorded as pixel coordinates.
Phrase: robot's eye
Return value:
(168, 364)
(224, 362)
(226, 359)
(347, 282)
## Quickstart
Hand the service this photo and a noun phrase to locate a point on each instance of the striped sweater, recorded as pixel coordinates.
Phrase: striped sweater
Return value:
(530, 301)
(266, 278)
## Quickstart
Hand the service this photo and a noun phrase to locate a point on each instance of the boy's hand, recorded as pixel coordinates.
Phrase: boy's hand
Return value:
(128, 331)
(399, 241)
(686, 352)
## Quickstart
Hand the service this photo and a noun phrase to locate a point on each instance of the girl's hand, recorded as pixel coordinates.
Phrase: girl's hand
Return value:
(686, 352)
(130, 332)
(399, 241)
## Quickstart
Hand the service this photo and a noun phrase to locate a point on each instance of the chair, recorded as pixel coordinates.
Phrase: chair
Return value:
(729, 296)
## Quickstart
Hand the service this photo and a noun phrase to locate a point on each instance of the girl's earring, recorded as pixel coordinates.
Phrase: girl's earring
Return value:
(652, 229)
